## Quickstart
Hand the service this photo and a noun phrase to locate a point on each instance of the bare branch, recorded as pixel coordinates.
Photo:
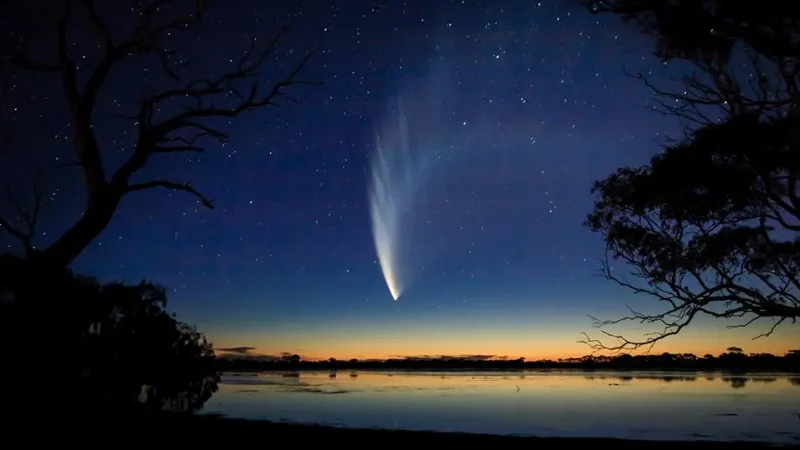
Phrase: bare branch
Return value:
(183, 130)
(6, 226)
(770, 330)
(98, 23)
(28, 211)
(185, 187)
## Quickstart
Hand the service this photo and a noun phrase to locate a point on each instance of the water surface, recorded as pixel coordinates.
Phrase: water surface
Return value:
(639, 405)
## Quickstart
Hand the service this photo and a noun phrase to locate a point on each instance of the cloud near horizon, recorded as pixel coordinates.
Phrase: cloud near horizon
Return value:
(246, 352)
(237, 350)
(463, 357)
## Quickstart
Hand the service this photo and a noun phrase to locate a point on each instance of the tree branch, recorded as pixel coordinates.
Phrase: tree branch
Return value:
(28, 212)
(185, 187)
(189, 126)
(703, 225)
(96, 21)
(173, 120)
(13, 231)
(705, 39)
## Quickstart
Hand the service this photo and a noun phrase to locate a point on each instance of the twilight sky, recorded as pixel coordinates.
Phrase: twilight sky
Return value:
(508, 109)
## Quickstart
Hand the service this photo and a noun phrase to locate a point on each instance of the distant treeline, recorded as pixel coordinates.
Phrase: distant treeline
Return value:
(732, 360)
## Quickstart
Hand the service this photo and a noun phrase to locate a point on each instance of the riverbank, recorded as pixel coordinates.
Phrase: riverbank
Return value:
(206, 430)
(633, 372)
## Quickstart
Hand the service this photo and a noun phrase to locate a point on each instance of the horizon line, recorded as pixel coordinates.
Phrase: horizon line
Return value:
(230, 353)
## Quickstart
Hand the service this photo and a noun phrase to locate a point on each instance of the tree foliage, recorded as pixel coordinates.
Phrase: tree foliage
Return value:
(738, 57)
(710, 225)
(137, 353)
(101, 346)
(181, 117)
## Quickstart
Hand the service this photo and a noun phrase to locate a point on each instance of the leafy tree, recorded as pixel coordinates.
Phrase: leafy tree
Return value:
(140, 355)
(180, 117)
(100, 346)
(710, 225)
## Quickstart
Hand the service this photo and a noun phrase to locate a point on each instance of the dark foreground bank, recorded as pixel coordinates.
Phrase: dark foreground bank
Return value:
(210, 430)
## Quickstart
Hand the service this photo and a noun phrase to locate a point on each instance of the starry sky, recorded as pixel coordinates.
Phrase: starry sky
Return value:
(514, 109)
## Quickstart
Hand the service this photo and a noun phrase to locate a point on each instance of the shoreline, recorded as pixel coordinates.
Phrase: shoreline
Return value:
(726, 362)
(233, 430)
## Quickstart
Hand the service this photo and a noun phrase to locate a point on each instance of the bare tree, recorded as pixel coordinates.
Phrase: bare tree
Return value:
(710, 225)
(187, 129)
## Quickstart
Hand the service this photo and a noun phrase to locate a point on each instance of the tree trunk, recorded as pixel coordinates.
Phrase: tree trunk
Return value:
(97, 216)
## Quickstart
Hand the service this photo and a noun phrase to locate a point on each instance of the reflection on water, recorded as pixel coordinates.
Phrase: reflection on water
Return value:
(639, 405)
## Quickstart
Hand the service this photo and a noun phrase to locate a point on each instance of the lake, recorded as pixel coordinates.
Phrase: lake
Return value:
(637, 405)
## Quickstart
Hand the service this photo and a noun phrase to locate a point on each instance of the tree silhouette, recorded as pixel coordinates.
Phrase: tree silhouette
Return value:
(97, 346)
(742, 57)
(710, 226)
(193, 102)
(138, 354)
(291, 358)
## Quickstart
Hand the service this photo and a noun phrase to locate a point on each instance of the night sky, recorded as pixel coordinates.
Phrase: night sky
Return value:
(512, 110)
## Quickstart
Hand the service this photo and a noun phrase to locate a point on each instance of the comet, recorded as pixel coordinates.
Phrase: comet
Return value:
(413, 138)
(428, 134)
(396, 173)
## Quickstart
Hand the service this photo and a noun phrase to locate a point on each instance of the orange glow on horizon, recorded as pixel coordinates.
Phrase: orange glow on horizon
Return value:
(531, 345)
